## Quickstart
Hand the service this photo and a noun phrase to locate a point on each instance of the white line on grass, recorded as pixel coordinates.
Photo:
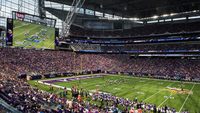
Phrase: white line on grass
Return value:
(21, 26)
(140, 86)
(71, 77)
(186, 98)
(25, 31)
(165, 100)
(154, 79)
(152, 95)
(157, 92)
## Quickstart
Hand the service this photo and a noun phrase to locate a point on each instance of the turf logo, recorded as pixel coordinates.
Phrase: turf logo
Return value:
(179, 90)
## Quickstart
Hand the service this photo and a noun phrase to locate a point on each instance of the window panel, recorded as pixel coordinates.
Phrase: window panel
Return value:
(27, 6)
(89, 12)
(98, 14)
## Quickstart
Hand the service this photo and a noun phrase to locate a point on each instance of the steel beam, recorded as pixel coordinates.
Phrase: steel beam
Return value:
(75, 8)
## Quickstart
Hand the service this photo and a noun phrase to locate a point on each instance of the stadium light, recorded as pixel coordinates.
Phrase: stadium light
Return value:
(155, 17)
(172, 14)
(134, 19)
(165, 15)
(195, 11)
(101, 6)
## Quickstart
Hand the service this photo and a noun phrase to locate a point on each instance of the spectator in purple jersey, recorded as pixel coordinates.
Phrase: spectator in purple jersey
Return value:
(56, 41)
(9, 38)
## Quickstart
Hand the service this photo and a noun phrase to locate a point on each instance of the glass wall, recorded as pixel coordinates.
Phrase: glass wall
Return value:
(26, 6)
(7, 6)
(3, 22)
(81, 11)
(60, 7)
(31, 7)
(58, 21)
(55, 6)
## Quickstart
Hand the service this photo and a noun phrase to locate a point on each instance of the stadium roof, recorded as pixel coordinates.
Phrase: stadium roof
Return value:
(138, 8)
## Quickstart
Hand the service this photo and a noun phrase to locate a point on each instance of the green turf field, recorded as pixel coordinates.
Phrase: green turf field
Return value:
(147, 90)
(30, 35)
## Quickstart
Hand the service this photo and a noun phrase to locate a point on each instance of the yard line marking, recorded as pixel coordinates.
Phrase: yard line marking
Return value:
(165, 100)
(24, 31)
(157, 92)
(144, 84)
(152, 95)
(21, 26)
(140, 86)
(187, 98)
(155, 79)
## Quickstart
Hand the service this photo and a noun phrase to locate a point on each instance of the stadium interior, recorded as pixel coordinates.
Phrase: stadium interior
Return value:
(99, 56)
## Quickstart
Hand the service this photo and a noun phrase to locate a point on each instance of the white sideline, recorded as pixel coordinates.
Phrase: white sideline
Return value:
(186, 98)
(57, 86)
(68, 77)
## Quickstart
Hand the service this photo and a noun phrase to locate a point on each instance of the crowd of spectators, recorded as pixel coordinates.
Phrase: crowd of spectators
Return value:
(45, 61)
(31, 100)
(144, 30)
(28, 99)
(25, 61)
(161, 47)
(142, 47)
(86, 47)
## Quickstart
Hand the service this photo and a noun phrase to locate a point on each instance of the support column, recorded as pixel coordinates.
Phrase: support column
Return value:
(41, 10)
(20, 5)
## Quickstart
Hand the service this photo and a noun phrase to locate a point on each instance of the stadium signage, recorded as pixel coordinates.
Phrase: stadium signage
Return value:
(20, 15)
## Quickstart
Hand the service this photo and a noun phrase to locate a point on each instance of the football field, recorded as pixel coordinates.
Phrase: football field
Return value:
(30, 35)
(152, 91)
